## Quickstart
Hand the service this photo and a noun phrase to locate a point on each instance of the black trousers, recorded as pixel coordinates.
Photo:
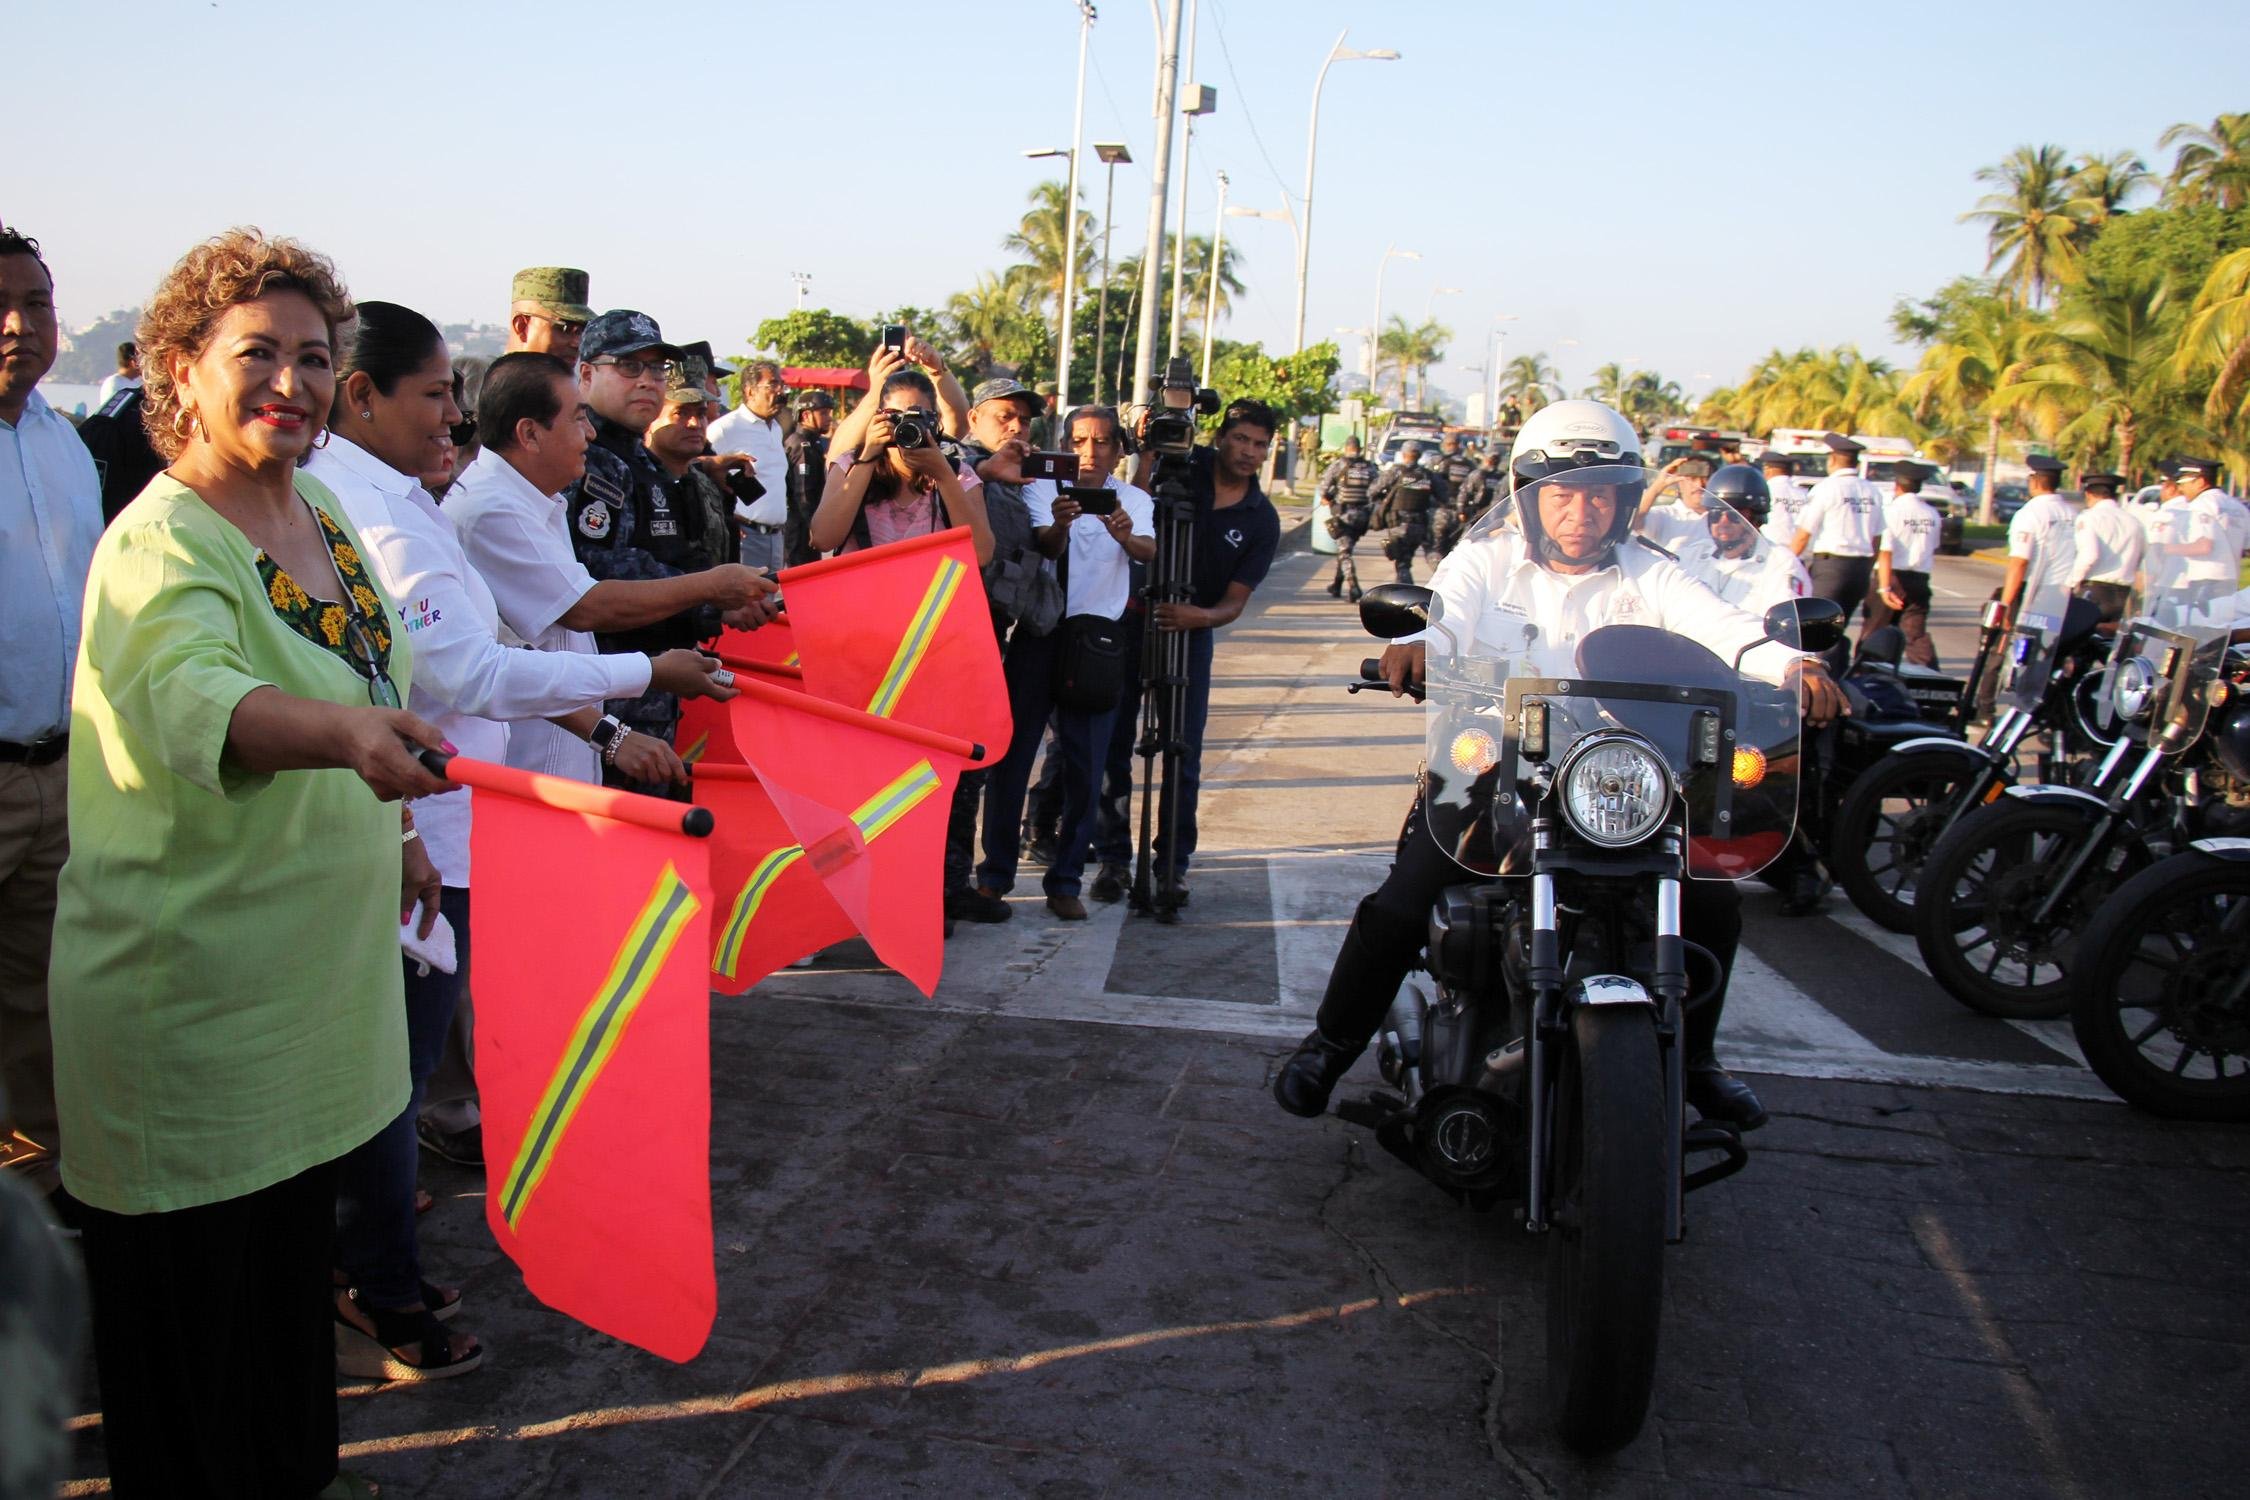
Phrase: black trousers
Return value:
(1390, 927)
(1412, 536)
(1843, 579)
(214, 1337)
(2109, 598)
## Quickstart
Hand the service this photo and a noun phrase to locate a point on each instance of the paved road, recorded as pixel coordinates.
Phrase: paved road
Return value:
(1049, 1235)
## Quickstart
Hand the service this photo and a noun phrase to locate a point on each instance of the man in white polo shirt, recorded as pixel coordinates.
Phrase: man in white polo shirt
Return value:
(1902, 565)
(2110, 545)
(756, 428)
(1093, 546)
(1836, 530)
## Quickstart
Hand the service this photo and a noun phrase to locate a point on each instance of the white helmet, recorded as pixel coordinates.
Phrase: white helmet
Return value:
(1572, 434)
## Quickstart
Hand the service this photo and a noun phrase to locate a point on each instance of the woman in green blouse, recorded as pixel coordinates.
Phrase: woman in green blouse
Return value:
(227, 1010)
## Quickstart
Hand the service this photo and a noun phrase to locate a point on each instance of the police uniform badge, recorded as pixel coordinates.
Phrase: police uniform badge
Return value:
(593, 521)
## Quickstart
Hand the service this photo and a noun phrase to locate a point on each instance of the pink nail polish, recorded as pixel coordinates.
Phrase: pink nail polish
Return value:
(449, 747)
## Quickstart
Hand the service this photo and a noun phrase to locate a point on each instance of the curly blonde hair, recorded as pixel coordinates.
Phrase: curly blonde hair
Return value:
(224, 271)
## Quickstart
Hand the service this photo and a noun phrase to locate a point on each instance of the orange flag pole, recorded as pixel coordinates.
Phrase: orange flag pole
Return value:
(767, 668)
(913, 734)
(565, 795)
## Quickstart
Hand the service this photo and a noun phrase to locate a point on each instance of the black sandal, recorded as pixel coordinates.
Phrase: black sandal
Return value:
(376, 1356)
(442, 1304)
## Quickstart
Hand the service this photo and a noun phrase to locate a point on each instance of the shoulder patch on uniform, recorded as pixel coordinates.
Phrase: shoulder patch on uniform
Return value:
(1656, 547)
(593, 520)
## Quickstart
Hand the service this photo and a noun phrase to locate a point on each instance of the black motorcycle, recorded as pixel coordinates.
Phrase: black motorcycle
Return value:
(1548, 1069)
(2011, 893)
(1895, 812)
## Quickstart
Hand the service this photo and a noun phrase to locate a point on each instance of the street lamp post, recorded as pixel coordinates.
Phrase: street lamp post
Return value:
(1070, 256)
(1199, 102)
(1152, 258)
(1211, 287)
(1070, 216)
(1111, 154)
(1375, 324)
(803, 279)
(1336, 54)
(1429, 308)
(1497, 351)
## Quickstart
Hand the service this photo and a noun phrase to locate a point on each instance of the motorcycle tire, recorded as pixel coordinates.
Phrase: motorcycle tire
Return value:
(1605, 1248)
(2006, 857)
(1887, 825)
(2159, 986)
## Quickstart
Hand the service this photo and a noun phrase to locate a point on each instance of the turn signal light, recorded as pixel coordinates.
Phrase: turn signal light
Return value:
(1749, 766)
(1474, 752)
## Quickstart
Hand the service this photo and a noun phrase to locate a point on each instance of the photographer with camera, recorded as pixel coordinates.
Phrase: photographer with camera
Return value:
(899, 482)
(901, 352)
(1077, 674)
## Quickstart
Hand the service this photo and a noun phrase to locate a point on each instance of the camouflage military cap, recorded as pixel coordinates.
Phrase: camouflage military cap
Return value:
(1001, 388)
(701, 349)
(623, 331)
(560, 291)
(686, 384)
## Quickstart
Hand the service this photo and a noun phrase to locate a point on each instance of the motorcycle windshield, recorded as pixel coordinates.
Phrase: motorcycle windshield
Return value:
(2170, 667)
(1624, 703)
(2028, 660)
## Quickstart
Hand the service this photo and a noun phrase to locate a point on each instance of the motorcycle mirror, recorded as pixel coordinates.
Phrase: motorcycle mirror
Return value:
(1390, 610)
(1806, 624)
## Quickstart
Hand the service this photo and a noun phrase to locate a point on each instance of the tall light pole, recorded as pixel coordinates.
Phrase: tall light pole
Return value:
(1070, 217)
(803, 279)
(1429, 308)
(1152, 258)
(1111, 153)
(1495, 343)
(1200, 101)
(1375, 324)
(1070, 254)
(1336, 54)
(1211, 287)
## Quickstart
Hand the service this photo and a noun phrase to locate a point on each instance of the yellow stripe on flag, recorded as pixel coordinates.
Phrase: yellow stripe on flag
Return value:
(922, 630)
(754, 891)
(895, 801)
(640, 958)
(694, 752)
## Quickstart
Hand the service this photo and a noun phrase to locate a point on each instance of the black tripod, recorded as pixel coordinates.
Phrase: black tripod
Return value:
(1164, 689)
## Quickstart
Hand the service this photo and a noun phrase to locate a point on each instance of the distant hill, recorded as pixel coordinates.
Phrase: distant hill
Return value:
(90, 354)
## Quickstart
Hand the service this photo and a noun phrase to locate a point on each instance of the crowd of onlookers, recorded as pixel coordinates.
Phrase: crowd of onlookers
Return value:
(301, 541)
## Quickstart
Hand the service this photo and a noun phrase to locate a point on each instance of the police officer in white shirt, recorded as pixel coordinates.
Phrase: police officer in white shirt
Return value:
(1839, 525)
(2216, 528)
(1573, 567)
(2042, 538)
(2110, 545)
(1788, 495)
(1731, 558)
(1673, 526)
(1902, 565)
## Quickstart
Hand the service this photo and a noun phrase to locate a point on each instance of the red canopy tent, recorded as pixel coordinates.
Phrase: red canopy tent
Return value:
(799, 376)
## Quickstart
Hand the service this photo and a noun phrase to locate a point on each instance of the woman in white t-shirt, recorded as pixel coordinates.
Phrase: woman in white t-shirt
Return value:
(391, 426)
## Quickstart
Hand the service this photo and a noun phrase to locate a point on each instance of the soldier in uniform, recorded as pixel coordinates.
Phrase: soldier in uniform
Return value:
(1838, 526)
(1404, 495)
(676, 439)
(627, 519)
(1485, 488)
(1345, 487)
(548, 312)
(1456, 465)
(806, 448)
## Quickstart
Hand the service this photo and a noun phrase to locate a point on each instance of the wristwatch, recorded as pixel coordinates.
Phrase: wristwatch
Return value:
(607, 734)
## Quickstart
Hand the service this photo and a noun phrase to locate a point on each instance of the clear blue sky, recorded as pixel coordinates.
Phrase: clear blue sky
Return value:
(1685, 186)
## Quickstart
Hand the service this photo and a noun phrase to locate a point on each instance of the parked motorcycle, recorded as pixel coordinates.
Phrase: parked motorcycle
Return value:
(2161, 1001)
(1895, 813)
(2010, 895)
(1548, 1070)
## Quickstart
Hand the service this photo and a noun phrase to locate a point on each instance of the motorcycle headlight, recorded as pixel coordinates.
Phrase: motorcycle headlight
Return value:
(1615, 791)
(2132, 688)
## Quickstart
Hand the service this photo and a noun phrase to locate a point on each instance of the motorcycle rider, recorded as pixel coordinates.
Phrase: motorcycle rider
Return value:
(1447, 522)
(1345, 488)
(1727, 558)
(1572, 567)
(1405, 495)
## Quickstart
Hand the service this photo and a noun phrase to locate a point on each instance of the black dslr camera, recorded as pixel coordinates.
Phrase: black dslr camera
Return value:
(1169, 426)
(916, 427)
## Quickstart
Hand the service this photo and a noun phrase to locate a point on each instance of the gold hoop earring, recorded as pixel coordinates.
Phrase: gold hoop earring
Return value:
(183, 425)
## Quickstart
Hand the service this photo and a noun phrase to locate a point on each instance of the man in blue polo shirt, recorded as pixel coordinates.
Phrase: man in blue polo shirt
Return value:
(1237, 532)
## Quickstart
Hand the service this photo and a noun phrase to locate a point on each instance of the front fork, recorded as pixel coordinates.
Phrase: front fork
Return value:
(2096, 844)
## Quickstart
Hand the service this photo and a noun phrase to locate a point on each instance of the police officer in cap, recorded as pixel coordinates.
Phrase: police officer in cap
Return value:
(676, 440)
(1838, 527)
(2042, 536)
(2216, 530)
(1344, 486)
(627, 521)
(1787, 496)
(1456, 465)
(2110, 544)
(548, 313)
(806, 447)
(1405, 495)
(1487, 487)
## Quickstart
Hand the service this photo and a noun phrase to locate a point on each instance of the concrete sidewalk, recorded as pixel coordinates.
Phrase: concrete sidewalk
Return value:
(1050, 1236)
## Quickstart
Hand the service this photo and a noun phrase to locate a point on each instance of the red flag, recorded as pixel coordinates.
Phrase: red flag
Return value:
(773, 908)
(705, 733)
(774, 643)
(593, 1050)
(903, 631)
(867, 801)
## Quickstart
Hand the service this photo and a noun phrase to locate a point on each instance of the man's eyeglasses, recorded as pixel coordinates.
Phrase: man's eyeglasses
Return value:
(634, 369)
(570, 326)
(381, 691)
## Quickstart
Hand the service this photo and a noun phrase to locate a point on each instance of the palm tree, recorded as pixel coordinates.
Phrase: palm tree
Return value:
(995, 325)
(2106, 361)
(2213, 162)
(1529, 381)
(1964, 370)
(2216, 341)
(2029, 222)
(1608, 387)
(2099, 186)
(1648, 398)
(1041, 239)
(1406, 348)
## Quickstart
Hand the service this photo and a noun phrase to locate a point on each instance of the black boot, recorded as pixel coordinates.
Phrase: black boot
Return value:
(1715, 1093)
(1377, 951)
(1336, 585)
(1305, 1081)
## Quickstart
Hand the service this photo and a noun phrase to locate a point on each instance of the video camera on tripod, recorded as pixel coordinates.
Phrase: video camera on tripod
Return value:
(1166, 429)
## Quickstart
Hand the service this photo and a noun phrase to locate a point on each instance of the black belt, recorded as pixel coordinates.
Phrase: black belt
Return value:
(1843, 557)
(37, 753)
(761, 526)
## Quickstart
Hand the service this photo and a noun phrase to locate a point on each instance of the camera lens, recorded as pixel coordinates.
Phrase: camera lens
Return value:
(908, 432)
